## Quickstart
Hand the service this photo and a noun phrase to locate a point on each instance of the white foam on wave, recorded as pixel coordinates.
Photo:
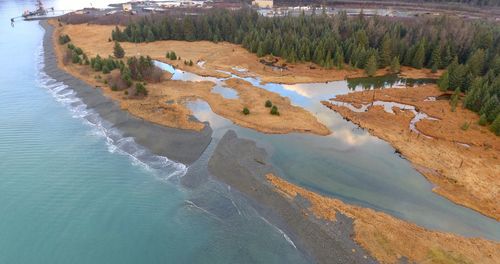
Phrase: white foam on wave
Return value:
(285, 236)
(161, 166)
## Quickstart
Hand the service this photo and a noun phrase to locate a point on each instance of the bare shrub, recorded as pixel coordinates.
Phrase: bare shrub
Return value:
(115, 81)
(67, 57)
(156, 75)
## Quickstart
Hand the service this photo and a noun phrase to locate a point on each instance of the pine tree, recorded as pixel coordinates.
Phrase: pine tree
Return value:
(97, 66)
(443, 82)
(419, 57)
(482, 120)
(495, 126)
(371, 66)
(126, 76)
(150, 37)
(435, 61)
(105, 69)
(395, 67)
(74, 57)
(472, 100)
(476, 62)
(260, 50)
(117, 34)
(118, 50)
(456, 74)
(447, 57)
(385, 52)
(246, 111)
(489, 108)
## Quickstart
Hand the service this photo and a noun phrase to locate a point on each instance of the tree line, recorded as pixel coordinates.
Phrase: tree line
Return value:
(467, 49)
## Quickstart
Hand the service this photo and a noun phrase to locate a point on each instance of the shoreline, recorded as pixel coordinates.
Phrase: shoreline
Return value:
(326, 227)
(160, 140)
(463, 174)
(156, 108)
(240, 164)
(320, 239)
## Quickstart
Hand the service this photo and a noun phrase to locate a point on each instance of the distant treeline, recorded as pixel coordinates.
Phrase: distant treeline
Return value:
(479, 3)
(470, 48)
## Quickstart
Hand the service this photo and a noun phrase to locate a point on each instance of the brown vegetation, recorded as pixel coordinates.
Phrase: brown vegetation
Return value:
(155, 108)
(389, 239)
(218, 57)
(465, 175)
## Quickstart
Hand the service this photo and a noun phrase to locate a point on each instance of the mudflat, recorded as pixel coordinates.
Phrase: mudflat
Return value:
(242, 165)
(330, 229)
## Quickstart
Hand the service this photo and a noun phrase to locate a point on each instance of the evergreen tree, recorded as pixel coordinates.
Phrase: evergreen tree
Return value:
(126, 76)
(260, 50)
(456, 74)
(443, 82)
(97, 66)
(482, 120)
(150, 37)
(105, 69)
(74, 57)
(395, 67)
(495, 126)
(435, 61)
(118, 50)
(489, 108)
(476, 62)
(371, 66)
(473, 98)
(419, 57)
(274, 110)
(385, 52)
(246, 111)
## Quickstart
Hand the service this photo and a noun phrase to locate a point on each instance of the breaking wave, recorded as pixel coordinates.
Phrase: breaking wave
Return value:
(161, 166)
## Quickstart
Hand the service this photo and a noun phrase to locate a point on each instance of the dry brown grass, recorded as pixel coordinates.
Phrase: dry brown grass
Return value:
(467, 176)
(218, 56)
(388, 239)
(154, 107)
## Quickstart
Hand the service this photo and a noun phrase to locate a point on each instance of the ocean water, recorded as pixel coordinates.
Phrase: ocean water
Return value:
(74, 191)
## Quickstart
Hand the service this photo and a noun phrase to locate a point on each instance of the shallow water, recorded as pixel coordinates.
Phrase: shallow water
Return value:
(350, 164)
(226, 92)
(74, 190)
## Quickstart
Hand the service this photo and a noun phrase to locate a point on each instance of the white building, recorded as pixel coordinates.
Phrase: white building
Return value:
(127, 7)
(263, 3)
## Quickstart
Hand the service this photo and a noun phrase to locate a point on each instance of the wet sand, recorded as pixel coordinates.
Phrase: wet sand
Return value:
(180, 145)
(332, 231)
(240, 164)
(243, 166)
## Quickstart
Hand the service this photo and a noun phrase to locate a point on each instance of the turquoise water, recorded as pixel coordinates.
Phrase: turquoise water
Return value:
(71, 193)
